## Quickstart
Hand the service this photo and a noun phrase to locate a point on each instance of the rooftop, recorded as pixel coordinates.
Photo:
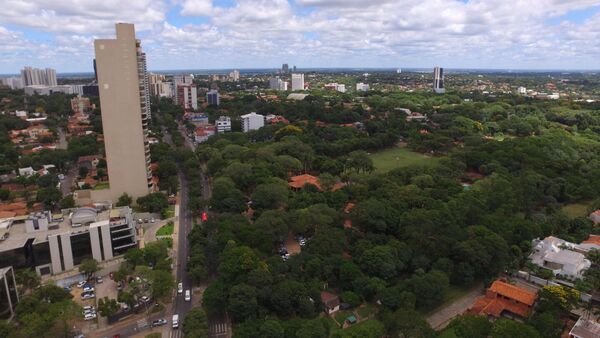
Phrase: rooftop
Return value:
(513, 292)
(586, 328)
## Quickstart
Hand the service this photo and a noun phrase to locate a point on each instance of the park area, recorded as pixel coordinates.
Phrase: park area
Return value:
(577, 209)
(397, 157)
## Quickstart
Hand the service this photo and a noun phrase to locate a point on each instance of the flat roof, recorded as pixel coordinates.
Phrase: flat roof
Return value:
(18, 236)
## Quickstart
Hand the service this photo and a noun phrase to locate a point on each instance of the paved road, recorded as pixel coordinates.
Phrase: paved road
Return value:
(443, 316)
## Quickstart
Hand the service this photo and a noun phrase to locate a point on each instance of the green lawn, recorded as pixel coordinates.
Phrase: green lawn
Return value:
(165, 230)
(576, 209)
(101, 186)
(393, 158)
(170, 211)
(341, 316)
(366, 311)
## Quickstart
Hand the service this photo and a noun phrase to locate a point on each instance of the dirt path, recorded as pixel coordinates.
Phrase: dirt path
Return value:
(442, 316)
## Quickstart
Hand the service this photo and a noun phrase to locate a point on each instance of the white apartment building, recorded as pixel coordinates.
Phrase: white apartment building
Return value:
(252, 121)
(35, 77)
(297, 81)
(223, 124)
(362, 87)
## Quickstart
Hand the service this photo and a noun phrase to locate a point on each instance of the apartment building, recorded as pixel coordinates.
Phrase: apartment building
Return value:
(252, 121)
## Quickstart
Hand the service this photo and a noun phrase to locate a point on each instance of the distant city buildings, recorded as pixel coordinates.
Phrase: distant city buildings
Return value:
(47, 90)
(38, 77)
(522, 91)
(277, 83)
(80, 105)
(125, 101)
(234, 75)
(223, 124)
(297, 81)
(187, 96)
(183, 79)
(212, 98)
(438, 80)
(252, 121)
(159, 86)
(285, 68)
(13, 82)
(336, 86)
(362, 87)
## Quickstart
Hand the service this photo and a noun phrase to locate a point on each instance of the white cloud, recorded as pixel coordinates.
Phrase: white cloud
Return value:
(196, 7)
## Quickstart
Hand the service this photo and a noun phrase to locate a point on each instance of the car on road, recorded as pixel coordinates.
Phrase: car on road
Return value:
(67, 288)
(204, 216)
(175, 321)
(188, 295)
(180, 288)
(159, 322)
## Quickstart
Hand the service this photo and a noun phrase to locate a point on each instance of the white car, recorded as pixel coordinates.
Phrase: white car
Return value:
(90, 316)
(180, 288)
(88, 289)
(88, 308)
(81, 284)
(188, 295)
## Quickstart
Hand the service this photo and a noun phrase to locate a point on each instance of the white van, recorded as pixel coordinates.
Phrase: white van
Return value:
(175, 321)
(188, 295)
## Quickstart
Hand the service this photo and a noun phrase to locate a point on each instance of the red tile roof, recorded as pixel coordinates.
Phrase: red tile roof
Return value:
(513, 292)
(593, 239)
(329, 299)
(501, 297)
(297, 182)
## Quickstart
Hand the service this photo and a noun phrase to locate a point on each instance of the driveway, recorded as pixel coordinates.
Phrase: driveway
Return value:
(444, 315)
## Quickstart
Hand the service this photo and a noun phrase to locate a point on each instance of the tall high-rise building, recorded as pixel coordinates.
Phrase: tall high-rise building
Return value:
(277, 83)
(125, 103)
(285, 68)
(438, 80)
(235, 75)
(159, 86)
(187, 96)
(252, 121)
(38, 77)
(297, 81)
(212, 98)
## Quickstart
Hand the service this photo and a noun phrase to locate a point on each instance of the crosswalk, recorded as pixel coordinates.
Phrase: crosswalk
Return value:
(219, 330)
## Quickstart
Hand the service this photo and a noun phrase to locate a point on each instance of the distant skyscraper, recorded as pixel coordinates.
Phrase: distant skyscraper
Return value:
(438, 80)
(234, 76)
(212, 98)
(277, 83)
(125, 102)
(297, 81)
(38, 77)
(285, 68)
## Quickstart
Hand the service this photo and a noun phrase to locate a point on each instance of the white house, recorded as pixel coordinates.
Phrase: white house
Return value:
(223, 124)
(28, 171)
(560, 257)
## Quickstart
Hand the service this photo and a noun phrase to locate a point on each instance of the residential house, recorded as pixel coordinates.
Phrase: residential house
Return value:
(298, 182)
(559, 256)
(202, 133)
(593, 242)
(28, 171)
(504, 300)
(595, 216)
(331, 302)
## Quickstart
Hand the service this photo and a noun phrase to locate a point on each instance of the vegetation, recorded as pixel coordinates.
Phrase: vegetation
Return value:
(396, 157)
(166, 229)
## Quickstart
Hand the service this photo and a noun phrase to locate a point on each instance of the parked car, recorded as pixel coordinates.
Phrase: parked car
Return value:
(88, 295)
(67, 288)
(88, 288)
(180, 288)
(81, 284)
(145, 299)
(159, 322)
(188, 295)
(90, 316)
(99, 280)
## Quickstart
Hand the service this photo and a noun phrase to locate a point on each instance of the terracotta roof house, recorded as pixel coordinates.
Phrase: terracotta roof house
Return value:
(330, 301)
(593, 242)
(298, 182)
(595, 216)
(504, 300)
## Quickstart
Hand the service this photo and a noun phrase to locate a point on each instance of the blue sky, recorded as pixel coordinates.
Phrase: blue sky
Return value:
(205, 34)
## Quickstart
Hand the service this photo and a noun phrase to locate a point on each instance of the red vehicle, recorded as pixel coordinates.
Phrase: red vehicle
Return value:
(204, 216)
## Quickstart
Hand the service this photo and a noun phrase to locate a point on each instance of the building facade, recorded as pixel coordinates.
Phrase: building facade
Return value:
(212, 98)
(187, 96)
(125, 102)
(252, 121)
(297, 81)
(36, 77)
(223, 124)
(277, 83)
(9, 297)
(362, 87)
(438, 80)
(51, 244)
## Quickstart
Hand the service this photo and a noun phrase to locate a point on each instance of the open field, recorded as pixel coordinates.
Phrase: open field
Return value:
(576, 209)
(393, 158)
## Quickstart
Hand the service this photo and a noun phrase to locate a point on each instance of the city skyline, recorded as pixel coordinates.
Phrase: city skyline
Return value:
(247, 34)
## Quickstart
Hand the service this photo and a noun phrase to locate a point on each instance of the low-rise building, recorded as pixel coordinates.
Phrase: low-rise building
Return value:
(331, 302)
(202, 133)
(559, 256)
(252, 121)
(362, 87)
(504, 300)
(81, 105)
(586, 327)
(47, 90)
(223, 124)
(51, 244)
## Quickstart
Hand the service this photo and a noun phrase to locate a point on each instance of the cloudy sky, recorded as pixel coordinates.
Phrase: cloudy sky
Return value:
(205, 34)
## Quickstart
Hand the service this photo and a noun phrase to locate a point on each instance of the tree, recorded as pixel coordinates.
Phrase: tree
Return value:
(27, 278)
(226, 197)
(195, 324)
(351, 298)
(506, 328)
(381, 261)
(271, 328)
(270, 195)
(107, 307)
(124, 200)
(162, 283)
(153, 202)
(360, 161)
(369, 329)
(406, 324)
(88, 267)
(126, 297)
(242, 303)
(4, 194)
(429, 288)
(67, 202)
(313, 329)
(236, 263)
(469, 326)
(49, 196)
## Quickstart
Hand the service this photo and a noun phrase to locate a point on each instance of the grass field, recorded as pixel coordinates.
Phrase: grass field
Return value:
(393, 158)
(576, 209)
(165, 230)
(101, 186)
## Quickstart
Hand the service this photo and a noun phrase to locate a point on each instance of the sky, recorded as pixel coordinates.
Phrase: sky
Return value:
(242, 34)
